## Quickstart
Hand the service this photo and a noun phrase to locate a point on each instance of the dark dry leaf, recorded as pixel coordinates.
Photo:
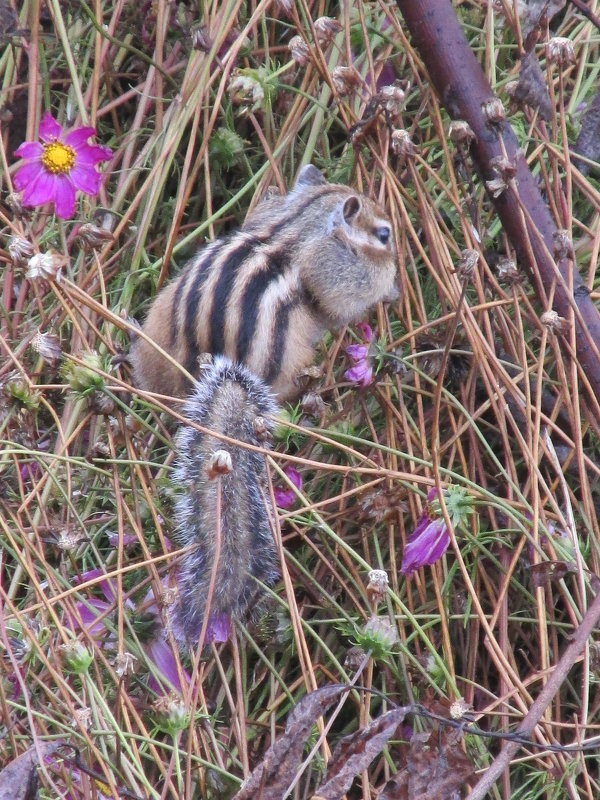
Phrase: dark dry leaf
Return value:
(18, 779)
(437, 766)
(354, 753)
(531, 88)
(542, 574)
(588, 140)
(271, 778)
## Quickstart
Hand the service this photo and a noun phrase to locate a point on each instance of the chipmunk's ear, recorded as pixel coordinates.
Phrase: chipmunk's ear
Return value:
(351, 208)
(309, 176)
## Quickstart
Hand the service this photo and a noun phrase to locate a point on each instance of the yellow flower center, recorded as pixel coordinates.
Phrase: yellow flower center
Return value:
(58, 158)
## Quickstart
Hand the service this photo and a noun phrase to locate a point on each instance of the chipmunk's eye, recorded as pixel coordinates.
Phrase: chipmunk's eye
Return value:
(382, 233)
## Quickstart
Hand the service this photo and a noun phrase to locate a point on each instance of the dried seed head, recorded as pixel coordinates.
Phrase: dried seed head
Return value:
(124, 663)
(326, 28)
(563, 245)
(259, 425)
(392, 98)
(402, 144)
(46, 265)
(13, 201)
(506, 168)
(101, 404)
(554, 322)
(496, 186)
(493, 111)
(69, 538)
(459, 708)
(76, 656)
(299, 50)
(82, 718)
(346, 80)
(460, 131)
(560, 50)
(200, 39)
(466, 266)
(377, 586)
(245, 90)
(19, 249)
(94, 236)
(312, 404)
(506, 269)
(47, 345)
(354, 658)
(219, 464)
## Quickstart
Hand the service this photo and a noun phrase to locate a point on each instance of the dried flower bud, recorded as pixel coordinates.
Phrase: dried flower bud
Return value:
(506, 270)
(94, 236)
(460, 131)
(124, 663)
(377, 586)
(101, 404)
(346, 80)
(354, 658)
(506, 168)
(200, 39)
(467, 264)
(561, 51)
(493, 111)
(299, 50)
(563, 245)
(402, 144)
(47, 345)
(459, 708)
(312, 404)
(69, 538)
(325, 29)
(19, 249)
(82, 718)
(46, 265)
(172, 713)
(219, 464)
(496, 186)
(554, 322)
(259, 425)
(392, 98)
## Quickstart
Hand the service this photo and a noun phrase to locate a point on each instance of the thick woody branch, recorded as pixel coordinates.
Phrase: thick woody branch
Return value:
(464, 90)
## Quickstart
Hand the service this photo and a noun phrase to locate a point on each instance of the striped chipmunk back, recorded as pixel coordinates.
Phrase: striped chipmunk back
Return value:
(314, 260)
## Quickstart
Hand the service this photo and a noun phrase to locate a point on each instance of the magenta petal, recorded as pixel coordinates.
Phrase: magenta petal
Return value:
(294, 476)
(161, 655)
(218, 628)
(49, 128)
(78, 136)
(29, 150)
(360, 373)
(284, 498)
(366, 331)
(27, 174)
(86, 179)
(64, 198)
(357, 351)
(425, 546)
(90, 155)
(40, 191)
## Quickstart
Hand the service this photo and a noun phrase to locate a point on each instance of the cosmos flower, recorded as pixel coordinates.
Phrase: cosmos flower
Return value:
(429, 540)
(58, 165)
(286, 497)
(361, 371)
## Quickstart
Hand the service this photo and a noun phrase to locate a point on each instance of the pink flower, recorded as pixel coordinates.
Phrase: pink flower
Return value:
(361, 371)
(429, 540)
(58, 165)
(286, 497)
(218, 628)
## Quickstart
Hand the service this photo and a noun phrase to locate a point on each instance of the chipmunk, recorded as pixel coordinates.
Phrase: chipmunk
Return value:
(314, 260)
(227, 399)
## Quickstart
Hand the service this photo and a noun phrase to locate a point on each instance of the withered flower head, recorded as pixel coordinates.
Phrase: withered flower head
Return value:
(402, 144)
(563, 244)
(47, 345)
(299, 50)
(377, 586)
(504, 167)
(346, 80)
(506, 270)
(554, 322)
(493, 110)
(94, 236)
(561, 51)
(467, 264)
(325, 29)
(219, 464)
(46, 265)
(19, 249)
(460, 131)
(392, 97)
(496, 186)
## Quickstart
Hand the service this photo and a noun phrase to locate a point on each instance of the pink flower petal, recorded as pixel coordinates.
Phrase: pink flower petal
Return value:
(78, 136)
(366, 331)
(218, 627)
(29, 150)
(49, 128)
(41, 190)
(284, 498)
(88, 154)
(361, 373)
(357, 352)
(64, 197)
(28, 174)
(86, 179)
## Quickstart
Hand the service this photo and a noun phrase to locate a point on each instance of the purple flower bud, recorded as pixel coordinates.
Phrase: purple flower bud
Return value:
(428, 542)
(286, 497)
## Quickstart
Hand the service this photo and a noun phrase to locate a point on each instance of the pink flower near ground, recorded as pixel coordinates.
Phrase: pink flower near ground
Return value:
(429, 540)
(286, 497)
(361, 371)
(58, 165)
